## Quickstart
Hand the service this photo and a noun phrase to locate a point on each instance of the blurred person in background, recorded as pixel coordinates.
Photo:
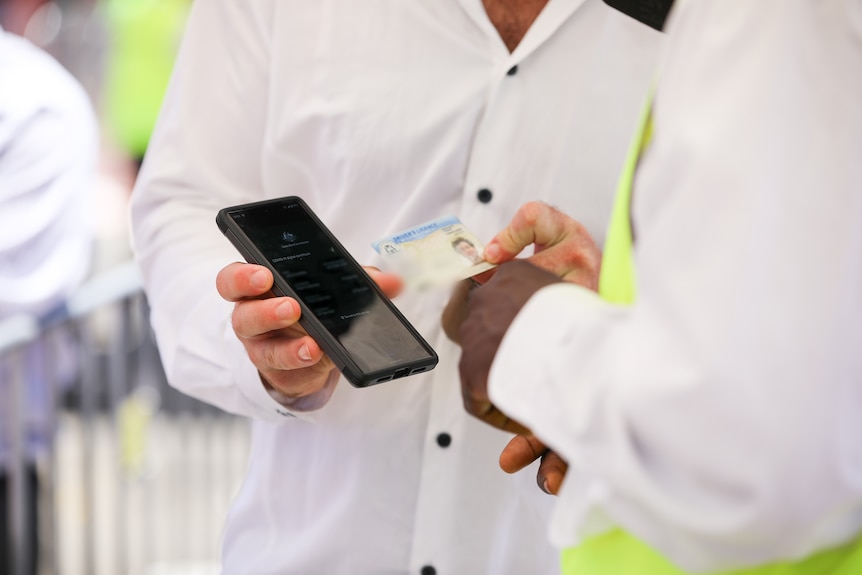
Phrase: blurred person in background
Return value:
(48, 155)
(142, 41)
(381, 116)
(138, 42)
(15, 15)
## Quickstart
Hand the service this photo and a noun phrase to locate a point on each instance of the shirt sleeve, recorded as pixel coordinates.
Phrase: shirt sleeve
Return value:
(205, 154)
(48, 153)
(718, 417)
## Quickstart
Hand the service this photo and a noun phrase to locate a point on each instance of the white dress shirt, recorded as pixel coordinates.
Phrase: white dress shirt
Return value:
(720, 417)
(381, 116)
(48, 152)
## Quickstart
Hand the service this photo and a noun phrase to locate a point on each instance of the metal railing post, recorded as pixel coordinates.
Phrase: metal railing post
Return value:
(15, 333)
(117, 384)
(19, 492)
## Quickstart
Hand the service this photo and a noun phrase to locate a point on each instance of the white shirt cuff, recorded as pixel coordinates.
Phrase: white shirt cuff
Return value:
(518, 386)
(248, 381)
(523, 390)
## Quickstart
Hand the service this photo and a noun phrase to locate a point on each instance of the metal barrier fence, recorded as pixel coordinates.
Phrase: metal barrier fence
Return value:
(135, 477)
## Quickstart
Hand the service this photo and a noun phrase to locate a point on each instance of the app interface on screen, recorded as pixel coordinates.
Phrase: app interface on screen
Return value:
(329, 285)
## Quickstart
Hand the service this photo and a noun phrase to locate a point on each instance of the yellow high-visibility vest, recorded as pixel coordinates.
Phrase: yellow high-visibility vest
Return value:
(617, 552)
(144, 38)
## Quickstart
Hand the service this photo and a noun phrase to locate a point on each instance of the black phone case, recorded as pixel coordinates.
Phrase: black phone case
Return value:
(653, 13)
(328, 342)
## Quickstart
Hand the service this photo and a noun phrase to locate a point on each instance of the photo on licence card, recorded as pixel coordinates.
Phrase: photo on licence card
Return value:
(434, 253)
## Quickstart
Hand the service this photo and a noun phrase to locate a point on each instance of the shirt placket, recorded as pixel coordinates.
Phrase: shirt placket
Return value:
(483, 213)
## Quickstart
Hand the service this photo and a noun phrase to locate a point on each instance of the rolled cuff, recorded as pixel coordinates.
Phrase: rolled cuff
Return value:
(260, 400)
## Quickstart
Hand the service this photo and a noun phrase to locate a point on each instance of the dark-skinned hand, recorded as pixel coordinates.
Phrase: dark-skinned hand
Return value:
(563, 247)
(523, 450)
(492, 307)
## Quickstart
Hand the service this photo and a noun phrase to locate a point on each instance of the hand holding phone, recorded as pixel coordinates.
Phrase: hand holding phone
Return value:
(340, 306)
(286, 357)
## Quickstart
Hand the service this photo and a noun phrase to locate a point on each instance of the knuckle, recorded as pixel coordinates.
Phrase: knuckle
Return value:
(224, 285)
(325, 364)
(270, 356)
(237, 322)
(579, 258)
(531, 211)
(469, 404)
(256, 355)
(474, 400)
(586, 258)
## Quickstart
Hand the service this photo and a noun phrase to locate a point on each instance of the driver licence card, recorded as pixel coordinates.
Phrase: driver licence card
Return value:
(434, 253)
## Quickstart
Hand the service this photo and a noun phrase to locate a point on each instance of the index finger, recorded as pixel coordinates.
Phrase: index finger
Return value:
(241, 281)
(534, 223)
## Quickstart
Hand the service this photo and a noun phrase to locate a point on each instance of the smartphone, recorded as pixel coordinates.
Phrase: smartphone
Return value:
(343, 309)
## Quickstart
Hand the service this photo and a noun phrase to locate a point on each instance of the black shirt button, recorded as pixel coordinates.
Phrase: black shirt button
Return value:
(484, 195)
(444, 440)
(512, 71)
(428, 570)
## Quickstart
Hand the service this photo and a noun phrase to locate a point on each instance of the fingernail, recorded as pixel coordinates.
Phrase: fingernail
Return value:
(545, 487)
(492, 252)
(285, 310)
(259, 279)
(304, 353)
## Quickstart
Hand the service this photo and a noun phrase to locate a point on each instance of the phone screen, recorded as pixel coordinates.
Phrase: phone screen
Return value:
(331, 285)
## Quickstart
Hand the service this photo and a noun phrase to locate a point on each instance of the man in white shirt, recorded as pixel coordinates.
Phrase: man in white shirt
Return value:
(48, 151)
(381, 116)
(717, 418)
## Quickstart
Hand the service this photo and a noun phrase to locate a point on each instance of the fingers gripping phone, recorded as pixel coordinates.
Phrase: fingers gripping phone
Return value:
(343, 309)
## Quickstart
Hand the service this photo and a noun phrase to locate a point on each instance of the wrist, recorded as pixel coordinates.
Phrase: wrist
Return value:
(307, 402)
